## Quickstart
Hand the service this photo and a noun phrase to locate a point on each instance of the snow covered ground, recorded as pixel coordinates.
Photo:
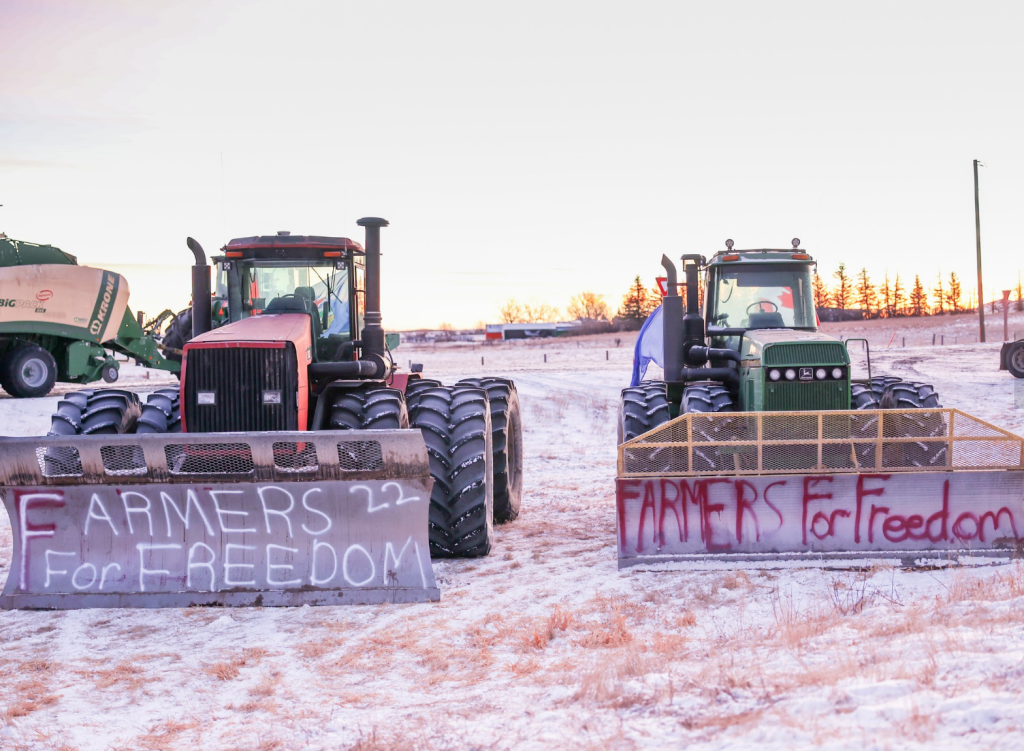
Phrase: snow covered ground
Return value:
(545, 644)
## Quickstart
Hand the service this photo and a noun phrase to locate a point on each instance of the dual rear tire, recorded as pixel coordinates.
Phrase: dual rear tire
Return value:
(473, 434)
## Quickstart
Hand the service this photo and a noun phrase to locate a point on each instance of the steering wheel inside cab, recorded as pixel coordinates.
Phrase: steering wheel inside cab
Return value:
(760, 305)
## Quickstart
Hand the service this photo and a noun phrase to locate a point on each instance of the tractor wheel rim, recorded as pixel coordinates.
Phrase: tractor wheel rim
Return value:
(34, 372)
(1018, 358)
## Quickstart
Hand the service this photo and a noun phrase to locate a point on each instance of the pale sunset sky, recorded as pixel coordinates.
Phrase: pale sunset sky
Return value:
(527, 150)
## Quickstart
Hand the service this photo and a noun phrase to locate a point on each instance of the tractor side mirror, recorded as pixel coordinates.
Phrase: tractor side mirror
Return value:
(416, 367)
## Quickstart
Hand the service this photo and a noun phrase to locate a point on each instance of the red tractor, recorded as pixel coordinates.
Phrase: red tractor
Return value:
(304, 350)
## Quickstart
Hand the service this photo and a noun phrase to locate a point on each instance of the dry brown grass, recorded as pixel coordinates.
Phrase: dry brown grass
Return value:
(228, 670)
(164, 734)
(27, 704)
(603, 681)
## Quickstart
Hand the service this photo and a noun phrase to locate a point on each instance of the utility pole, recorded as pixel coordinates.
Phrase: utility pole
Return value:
(977, 229)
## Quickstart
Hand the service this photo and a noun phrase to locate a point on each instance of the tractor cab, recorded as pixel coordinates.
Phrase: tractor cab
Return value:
(758, 289)
(322, 277)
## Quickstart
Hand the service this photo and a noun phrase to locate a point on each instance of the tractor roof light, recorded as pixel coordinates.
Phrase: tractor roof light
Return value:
(332, 254)
(234, 254)
(729, 244)
(733, 257)
(801, 257)
(796, 243)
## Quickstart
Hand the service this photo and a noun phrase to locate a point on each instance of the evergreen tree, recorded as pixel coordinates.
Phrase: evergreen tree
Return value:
(867, 295)
(638, 303)
(918, 298)
(954, 297)
(886, 309)
(899, 298)
(841, 293)
(821, 292)
(940, 297)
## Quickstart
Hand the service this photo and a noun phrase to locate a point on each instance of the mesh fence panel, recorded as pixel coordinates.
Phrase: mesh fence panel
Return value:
(123, 460)
(781, 442)
(360, 455)
(209, 458)
(293, 456)
(59, 461)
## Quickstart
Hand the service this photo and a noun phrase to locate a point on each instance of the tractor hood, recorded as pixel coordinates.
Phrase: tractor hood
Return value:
(283, 327)
(789, 346)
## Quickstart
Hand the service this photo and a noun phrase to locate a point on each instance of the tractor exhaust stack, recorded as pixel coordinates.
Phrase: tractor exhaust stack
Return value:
(672, 323)
(373, 331)
(202, 305)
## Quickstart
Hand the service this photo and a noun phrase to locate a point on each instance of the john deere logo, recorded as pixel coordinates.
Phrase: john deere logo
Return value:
(806, 374)
(43, 295)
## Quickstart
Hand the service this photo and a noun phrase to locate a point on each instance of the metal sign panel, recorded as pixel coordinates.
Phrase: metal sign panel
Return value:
(819, 515)
(233, 519)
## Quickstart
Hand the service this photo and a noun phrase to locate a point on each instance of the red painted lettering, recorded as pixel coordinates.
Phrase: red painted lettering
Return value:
(648, 503)
(863, 493)
(745, 504)
(994, 517)
(809, 496)
(627, 490)
(830, 522)
(958, 526)
(677, 506)
(939, 516)
(875, 510)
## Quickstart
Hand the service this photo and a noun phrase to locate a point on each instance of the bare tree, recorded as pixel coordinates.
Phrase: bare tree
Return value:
(1020, 301)
(588, 306)
(539, 313)
(511, 312)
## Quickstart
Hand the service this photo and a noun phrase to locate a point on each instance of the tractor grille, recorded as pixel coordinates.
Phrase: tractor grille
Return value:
(243, 382)
(810, 353)
(806, 395)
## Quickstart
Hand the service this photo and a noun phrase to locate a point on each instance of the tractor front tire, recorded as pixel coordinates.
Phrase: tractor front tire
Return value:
(642, 408)
(710, 398)
(28, 371)
(456, 426)
(506, 444)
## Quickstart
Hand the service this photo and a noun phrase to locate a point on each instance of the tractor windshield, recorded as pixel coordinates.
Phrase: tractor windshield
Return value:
(762, 297)
(325, 287)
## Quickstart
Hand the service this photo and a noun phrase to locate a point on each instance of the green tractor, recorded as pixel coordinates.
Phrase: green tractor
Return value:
(755, 347)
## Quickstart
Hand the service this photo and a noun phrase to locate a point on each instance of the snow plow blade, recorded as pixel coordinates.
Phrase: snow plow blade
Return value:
(909, 485)
(231, 519)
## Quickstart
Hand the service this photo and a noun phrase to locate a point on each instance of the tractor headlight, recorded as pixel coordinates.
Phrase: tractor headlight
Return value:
(837, 373)
(790, 374)
(820, 374)
(774, 374)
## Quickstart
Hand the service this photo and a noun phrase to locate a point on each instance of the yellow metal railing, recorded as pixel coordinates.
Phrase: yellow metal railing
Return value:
(759, 443)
